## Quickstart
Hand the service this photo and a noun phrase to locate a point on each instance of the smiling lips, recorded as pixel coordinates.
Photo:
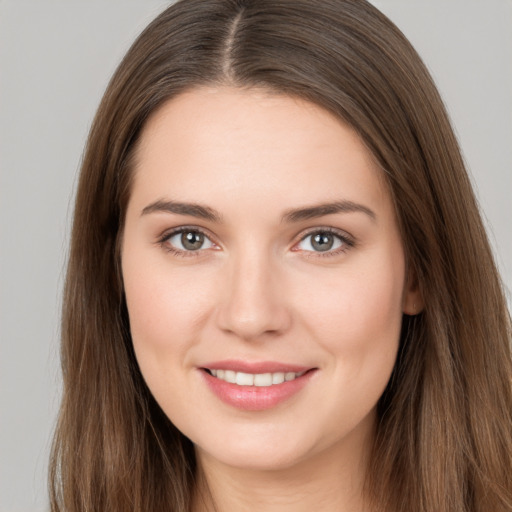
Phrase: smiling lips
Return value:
(258, 379)
(259, 387)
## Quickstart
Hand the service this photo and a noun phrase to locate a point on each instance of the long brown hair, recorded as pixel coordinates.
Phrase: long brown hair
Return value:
(444, 434)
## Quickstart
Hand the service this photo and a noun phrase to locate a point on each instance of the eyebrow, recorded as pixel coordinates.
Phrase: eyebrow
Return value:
(192, 209)
(312, 212)
(293, 215)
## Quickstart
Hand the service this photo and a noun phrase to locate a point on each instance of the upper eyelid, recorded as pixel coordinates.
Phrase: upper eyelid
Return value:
(344, 235)
(168, 233)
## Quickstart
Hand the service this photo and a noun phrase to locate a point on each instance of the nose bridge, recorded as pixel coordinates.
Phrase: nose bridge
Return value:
(254, 303)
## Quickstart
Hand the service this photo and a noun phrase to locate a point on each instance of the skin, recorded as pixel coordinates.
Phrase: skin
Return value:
(258, 290)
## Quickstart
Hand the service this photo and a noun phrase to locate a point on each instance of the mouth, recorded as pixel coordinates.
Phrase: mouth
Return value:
(256, 387)
(254, 379)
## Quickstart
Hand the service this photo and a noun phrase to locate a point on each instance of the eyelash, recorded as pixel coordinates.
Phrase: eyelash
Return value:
(162, 241)
(346, 240)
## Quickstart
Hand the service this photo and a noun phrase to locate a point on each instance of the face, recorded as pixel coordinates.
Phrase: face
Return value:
(264, 276)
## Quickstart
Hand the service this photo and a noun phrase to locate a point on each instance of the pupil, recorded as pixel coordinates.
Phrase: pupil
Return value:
(192, 240)
(322, 241)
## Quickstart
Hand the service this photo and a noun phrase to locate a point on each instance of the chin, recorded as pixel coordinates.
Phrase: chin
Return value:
(255, 458)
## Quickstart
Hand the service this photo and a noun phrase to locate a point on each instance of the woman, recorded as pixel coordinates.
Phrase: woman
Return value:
(280, 294)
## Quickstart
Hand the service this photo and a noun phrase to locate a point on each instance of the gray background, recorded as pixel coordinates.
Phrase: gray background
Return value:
(55, 60)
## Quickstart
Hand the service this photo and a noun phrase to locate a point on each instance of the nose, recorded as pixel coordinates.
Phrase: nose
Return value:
(253, 304)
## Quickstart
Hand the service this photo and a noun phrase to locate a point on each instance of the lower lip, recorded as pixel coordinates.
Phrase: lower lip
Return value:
(255, 398)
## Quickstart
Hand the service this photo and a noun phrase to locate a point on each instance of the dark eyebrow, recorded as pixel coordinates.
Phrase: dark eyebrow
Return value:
(320, 210)
(192, 209)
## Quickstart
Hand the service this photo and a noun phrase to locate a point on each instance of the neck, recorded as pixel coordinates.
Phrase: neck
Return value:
(332, 480)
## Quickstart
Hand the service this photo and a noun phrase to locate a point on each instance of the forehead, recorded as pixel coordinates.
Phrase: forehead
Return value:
(210, 143)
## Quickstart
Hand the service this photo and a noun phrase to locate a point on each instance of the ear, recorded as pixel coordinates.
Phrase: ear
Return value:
(412, 303)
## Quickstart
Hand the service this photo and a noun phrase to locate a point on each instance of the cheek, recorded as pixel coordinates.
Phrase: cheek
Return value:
(167, 313)
(357, 321)
(357, 317)
(166, 309)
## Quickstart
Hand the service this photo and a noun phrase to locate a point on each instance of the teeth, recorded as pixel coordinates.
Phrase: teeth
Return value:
(258, 379)
(263, 379)
(244, 379)
(230, 376)
(277, 378)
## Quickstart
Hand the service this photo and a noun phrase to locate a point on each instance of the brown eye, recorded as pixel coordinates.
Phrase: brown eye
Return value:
(324, 242)
(188, 240)
(192, 240)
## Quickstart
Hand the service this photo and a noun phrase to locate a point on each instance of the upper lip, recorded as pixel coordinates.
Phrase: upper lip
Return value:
(255, 367)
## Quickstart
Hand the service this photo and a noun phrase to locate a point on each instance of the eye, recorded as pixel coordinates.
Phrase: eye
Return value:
(324, 241)
(187, 240)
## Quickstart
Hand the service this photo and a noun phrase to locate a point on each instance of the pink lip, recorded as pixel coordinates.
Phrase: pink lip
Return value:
(255, 398)
(255, 367)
